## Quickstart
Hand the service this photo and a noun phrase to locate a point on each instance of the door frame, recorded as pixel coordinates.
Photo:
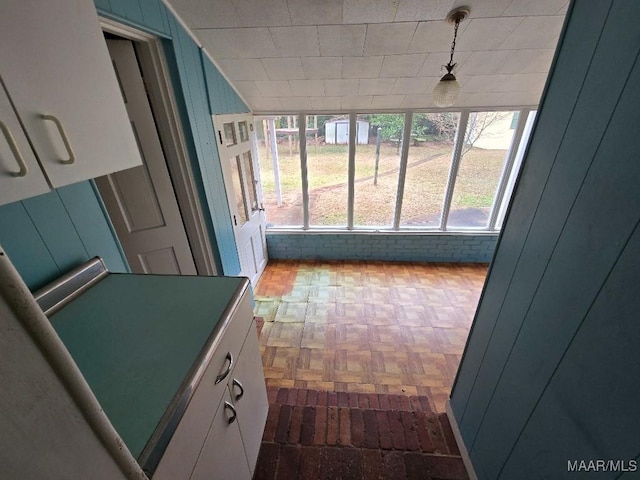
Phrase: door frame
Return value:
(161, 95)
(218, 120)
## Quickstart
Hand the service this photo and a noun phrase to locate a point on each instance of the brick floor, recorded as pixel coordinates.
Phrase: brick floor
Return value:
(342, 437)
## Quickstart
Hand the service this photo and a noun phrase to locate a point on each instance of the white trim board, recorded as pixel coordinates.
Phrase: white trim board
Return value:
(466, 459)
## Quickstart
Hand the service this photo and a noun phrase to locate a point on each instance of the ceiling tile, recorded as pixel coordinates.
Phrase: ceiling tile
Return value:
(283, 68)
(389, 38)
(516, 99)
(238, 42)
(340, 88)
(527, 61)
(402, 65)
(539, 7)
(434, 36)
(322, 67)
(369, 11)
(534, 32)
(387, 101)
(295, 103)
(433, 65)
(478, 99)
(247, 88)
(484, 62)
(313, 12)
(342, 40)
(414, 86)
(326, 103)
(417, 101)
(487, 8)
(485, 83)
(296, 41)
(361, 67)
(243, 69)
(525, 82)
(207, 13)
(376, 86)
(486, 33)
(354, 102)
(421, 10)
(307, 88)
(262, 13)
(265, 104)
(274, 88)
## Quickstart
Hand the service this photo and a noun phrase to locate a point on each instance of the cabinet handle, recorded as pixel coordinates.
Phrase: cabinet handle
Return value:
(224, 374)
(65, 139)
(234, 414)
(236, 383)
(24, 169)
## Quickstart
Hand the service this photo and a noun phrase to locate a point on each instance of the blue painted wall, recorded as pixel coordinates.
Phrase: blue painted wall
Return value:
(390, 247)
(549, 373)
(47, 235)
(198, 97)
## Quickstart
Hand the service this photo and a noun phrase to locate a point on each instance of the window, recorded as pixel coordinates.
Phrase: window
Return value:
(454, 171)
(485, 147)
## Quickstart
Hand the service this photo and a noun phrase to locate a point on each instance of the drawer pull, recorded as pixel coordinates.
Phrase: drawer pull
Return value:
(65, 139)
(236, 383)
(16, 153)
(234, 414)
(224, 374)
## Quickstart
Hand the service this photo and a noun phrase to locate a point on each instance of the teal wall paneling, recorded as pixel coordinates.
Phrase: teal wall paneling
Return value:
(189, 63)
(569, 71)
(546, 374)
(47, 235)
(222, 98)
(25, 247)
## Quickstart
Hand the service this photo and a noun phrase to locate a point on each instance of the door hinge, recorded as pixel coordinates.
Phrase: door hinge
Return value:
(235, 221)
(220, 136)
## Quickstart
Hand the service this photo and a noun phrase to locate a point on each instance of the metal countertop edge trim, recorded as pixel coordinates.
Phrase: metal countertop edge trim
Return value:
(152, 453)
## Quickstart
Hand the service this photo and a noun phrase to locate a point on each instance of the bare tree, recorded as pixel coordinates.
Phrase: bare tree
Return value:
(477, 126)
(446, 123)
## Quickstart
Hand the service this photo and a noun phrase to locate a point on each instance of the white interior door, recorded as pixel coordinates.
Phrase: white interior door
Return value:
(237, 148)
(141, 201)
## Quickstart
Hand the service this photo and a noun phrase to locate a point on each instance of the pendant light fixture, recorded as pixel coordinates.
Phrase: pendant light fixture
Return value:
(446, 91)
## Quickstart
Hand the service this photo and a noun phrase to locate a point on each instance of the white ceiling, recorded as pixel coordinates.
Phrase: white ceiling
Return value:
(337, 55)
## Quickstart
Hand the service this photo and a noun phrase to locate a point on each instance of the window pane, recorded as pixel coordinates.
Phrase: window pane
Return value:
(251, 180)
(237, 189)
(244, 131)
(504, 202)
(230, 133)
(486, 144)
(376, 169)
(428, 166)
(327, 164)
(280, 175)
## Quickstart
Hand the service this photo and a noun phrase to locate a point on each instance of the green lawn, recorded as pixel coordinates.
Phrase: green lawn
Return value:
(427, 173)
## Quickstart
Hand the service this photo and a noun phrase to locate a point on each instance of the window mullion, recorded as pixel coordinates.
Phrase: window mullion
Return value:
(352, 168)
(302, 142)
(508, 166)
(455, 164)
(402, 171)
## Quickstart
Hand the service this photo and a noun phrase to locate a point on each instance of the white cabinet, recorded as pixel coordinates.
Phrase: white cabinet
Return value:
(241, 416)
(58, 75)
(220, 432)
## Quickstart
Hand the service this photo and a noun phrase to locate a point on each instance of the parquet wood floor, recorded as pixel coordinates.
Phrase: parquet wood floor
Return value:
(366, 327)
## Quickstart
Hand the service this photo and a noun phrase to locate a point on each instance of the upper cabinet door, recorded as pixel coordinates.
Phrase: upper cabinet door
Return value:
(56, 69)
(20, 174)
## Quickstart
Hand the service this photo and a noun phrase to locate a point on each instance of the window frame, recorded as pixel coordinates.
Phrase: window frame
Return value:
(513, 159)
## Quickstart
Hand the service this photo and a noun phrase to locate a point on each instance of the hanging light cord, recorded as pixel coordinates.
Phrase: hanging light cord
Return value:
(450, 65)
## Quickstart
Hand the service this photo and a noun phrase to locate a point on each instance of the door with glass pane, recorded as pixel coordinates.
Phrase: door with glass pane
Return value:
(236, 145)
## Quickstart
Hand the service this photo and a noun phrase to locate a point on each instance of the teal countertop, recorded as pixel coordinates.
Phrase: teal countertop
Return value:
(136, 337)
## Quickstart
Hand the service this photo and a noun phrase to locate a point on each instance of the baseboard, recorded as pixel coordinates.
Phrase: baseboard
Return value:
(466, 459)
